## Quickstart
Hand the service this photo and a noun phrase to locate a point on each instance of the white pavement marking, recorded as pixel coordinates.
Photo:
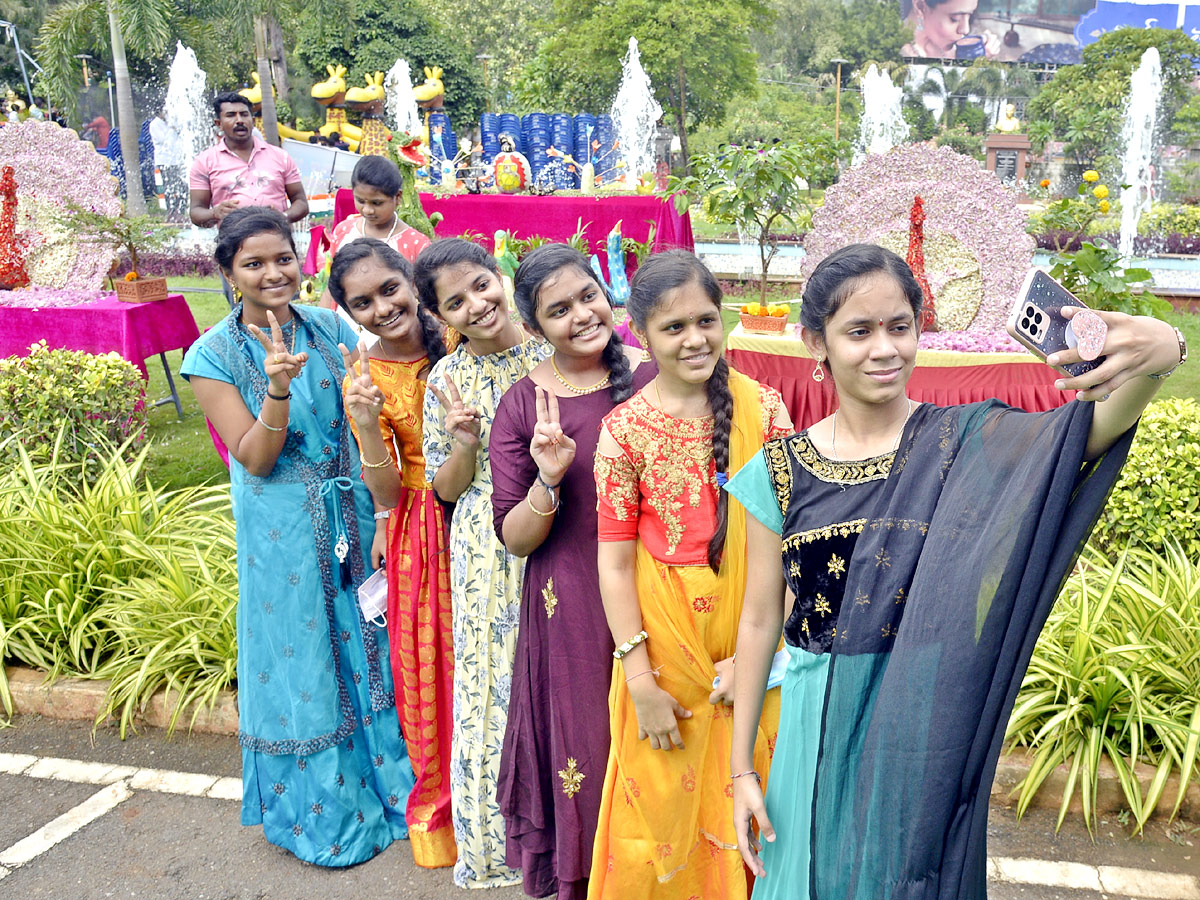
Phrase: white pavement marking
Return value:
(65, 825)
(172, 782)
(78, 771)
(226, 789)
(15, 763)
(1102, 879)
(3, 872)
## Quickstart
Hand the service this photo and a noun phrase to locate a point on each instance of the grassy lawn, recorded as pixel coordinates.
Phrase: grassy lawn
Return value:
(183, 453)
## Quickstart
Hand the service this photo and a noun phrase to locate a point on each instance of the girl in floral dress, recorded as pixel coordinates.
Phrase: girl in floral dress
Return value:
(459, 282)
(672, 561)
(373, 283)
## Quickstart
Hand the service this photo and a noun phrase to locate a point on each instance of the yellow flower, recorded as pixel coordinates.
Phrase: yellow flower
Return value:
(1104, 206)
(131, 276)
(1100, 191)
(1091, 176)
(1045, 182)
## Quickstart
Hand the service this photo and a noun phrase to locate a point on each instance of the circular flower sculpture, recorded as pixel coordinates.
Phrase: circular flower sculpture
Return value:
(975, 246)
(52, 165)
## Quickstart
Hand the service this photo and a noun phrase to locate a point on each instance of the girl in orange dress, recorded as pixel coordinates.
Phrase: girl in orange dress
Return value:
(672, 562)
(373, 283)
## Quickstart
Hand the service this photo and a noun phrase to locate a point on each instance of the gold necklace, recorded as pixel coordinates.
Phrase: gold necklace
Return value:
(362, 230)
(574, 388)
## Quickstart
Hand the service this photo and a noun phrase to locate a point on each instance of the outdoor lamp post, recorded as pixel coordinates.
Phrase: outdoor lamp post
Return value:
(837, 97)
(484, 58)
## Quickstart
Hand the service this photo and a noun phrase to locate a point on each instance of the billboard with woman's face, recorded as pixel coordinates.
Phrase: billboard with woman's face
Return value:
(1033, 31)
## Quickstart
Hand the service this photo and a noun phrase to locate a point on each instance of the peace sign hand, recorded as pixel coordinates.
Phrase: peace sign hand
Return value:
(281, 366)
(462, 422)
(364, 401)
(551, 448)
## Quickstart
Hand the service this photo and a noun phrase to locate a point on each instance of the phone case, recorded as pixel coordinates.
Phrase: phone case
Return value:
(1037, 322)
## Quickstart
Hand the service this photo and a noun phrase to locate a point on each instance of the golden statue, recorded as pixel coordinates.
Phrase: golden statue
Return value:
(1009, 123)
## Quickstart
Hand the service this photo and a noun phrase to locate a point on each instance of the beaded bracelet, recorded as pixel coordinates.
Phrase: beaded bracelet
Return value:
(270, 427)
(630, 644)
(382, 514)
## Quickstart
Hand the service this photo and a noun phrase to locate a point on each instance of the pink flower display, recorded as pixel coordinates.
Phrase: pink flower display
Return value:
(52, 165)
(976, 248)
(47, 298)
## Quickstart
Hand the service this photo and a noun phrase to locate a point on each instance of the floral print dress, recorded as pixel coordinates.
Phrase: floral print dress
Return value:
(485, 590)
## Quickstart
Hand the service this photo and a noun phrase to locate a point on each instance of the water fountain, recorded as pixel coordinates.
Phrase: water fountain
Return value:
(1137, 136)
(401, 104)
(188, 106)
(882, 125)
(635, 115)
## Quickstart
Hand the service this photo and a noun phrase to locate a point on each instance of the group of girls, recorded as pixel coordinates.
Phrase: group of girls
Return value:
(590, 520)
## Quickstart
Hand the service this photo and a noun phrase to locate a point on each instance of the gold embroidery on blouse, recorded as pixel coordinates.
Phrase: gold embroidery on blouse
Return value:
(900, 598)
(888, 631)
(902, 524)
(839, 529)
(861, 599)
(837, 565)
(804, 625)
(571, 777)
(674, 457)
(549, 597)
(794, 569)
(882, 559)
(616, 480)
(836, 471)
(780, 472)
(821, 605)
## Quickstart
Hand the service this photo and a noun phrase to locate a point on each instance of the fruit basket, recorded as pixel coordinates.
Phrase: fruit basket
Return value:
(769, 319)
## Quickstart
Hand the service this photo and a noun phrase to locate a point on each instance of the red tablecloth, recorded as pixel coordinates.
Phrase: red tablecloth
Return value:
(553, 217)
(1010, 377)
(137, 331)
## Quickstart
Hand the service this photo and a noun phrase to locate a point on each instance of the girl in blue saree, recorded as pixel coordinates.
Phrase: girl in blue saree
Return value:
(324, 769)
(924, 547)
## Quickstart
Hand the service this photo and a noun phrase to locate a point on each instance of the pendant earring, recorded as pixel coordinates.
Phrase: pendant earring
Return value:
(237, 294)
(818, 373)
(646, 357)
(920, 24)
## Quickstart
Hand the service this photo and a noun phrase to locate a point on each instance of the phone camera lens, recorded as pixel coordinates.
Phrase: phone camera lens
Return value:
(1038, 318)
(1025, 324)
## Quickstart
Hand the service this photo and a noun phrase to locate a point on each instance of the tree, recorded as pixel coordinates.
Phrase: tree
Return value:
(1084, 103)
(507, 31)
(370, 35)
(805, 35)
(79, 25)
(698, 55)
(757, 188)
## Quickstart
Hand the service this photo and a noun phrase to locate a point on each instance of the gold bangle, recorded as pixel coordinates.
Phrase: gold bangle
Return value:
(379, 465)
(538, 512)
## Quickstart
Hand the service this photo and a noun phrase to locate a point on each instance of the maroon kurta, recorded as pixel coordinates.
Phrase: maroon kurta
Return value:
(556, 746)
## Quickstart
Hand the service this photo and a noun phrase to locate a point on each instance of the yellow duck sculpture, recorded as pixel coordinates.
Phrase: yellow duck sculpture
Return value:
(429, 96)
(369, 101)
(254, 95)
(331, 94)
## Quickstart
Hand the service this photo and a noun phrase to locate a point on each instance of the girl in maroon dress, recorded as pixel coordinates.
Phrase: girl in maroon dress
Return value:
(544, 497)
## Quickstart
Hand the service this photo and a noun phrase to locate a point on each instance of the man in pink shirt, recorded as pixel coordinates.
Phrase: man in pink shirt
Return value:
(242, 170)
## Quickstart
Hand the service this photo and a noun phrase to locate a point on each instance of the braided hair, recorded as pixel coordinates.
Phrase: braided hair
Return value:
(536, 269)
(654, 279)
(364, 248)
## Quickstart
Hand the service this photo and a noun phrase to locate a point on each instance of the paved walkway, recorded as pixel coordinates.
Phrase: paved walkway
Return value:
(151, 817)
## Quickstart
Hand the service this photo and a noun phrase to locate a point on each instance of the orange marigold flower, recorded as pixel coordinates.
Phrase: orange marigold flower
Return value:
(1045, 182)
(132, 276)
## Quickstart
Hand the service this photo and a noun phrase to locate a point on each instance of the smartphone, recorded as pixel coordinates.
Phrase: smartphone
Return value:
(1037, 322)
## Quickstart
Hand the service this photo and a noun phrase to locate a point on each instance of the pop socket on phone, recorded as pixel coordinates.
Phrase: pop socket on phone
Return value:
(1086, 332)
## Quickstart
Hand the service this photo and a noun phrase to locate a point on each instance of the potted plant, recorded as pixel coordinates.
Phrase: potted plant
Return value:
(134, 234)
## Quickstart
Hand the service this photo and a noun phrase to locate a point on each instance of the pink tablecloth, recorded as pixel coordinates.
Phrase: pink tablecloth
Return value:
(137, 331)
(553, 217)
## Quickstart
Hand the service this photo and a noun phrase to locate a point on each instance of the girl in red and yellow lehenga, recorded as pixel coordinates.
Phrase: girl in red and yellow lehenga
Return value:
(672, 561)
(373, 283)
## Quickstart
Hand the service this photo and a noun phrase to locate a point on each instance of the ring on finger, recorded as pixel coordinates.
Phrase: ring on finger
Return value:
(278, 357)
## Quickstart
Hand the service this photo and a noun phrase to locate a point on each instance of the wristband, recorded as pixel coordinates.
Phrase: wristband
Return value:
(544, 483)
(1183, 355)
(287, 396)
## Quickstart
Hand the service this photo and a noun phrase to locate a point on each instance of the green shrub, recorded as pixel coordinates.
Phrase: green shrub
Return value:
(1116, 675)
(1170, 218)
(1158, 494)
(105, 576)
(82, 400)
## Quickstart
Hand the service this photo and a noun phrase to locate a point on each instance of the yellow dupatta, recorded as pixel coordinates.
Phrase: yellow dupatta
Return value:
(666, 817)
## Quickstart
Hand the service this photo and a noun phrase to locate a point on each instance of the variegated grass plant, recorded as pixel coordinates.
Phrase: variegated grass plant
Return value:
(105, 576)
(1116, 676)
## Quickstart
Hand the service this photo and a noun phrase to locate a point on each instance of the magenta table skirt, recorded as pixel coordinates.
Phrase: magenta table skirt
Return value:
(553, 217)
(136, 331)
